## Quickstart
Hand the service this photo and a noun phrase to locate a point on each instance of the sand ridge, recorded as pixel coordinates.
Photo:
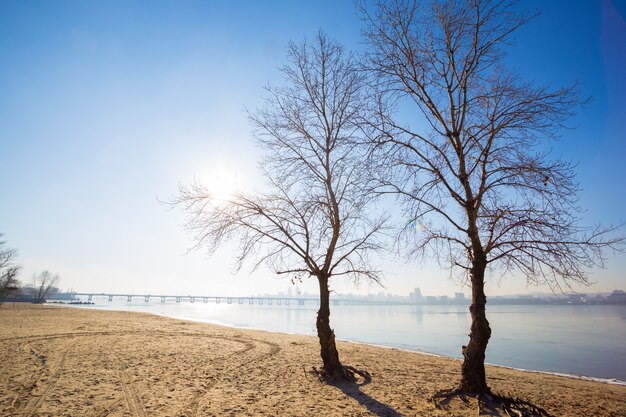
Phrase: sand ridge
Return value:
(78, 362)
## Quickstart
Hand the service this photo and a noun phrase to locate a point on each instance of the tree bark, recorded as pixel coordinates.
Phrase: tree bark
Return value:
(330, 357)
(473, 378)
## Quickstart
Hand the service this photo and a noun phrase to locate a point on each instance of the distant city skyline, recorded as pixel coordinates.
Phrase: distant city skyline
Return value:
(108, 106)
(295, 292)
(615, 297)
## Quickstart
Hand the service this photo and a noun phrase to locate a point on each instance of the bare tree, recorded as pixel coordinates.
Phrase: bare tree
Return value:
(475, 175)
(43, 284)
(8, 271)
(314, 220)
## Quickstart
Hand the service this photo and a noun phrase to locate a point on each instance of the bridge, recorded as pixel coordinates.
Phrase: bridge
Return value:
(269, 300)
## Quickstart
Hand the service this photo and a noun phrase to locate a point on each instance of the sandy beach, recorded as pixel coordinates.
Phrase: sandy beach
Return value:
(60, 361)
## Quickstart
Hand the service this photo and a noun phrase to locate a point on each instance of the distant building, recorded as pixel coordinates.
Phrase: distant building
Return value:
(616, 297)
(459, 298)
(417, 296)
(598, 299)
(577, 299)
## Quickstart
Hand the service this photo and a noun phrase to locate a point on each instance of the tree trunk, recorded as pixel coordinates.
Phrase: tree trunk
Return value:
(473, 378)
(330, 357)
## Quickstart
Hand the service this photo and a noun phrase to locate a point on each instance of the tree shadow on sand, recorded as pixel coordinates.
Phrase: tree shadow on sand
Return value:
(496, 406)
(374, 406)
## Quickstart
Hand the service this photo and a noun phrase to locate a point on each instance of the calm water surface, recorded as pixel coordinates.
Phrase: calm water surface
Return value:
(579, 340)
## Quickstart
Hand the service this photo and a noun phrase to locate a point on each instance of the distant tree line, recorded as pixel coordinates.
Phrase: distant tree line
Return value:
(8, 271)
(41, 286)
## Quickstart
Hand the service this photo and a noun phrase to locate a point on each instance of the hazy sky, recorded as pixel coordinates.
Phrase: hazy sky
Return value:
(107, 106)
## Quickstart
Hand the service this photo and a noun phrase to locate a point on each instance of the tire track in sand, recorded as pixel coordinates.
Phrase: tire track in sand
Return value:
(26, 391)
(40, 366)
(133, 401)
(195, 401)
(33, 405)
(105, 333)
(274, 349)
(132, 397)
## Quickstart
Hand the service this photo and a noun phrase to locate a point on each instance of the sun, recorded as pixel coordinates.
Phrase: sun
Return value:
(221, 183)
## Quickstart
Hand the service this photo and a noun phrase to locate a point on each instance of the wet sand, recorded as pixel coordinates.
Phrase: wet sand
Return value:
(57, 361)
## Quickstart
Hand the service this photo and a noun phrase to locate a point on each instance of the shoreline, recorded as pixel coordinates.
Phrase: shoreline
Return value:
(612, 381)
(70, 361)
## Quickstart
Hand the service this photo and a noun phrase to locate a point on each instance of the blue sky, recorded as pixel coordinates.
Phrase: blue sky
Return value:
(108, 106)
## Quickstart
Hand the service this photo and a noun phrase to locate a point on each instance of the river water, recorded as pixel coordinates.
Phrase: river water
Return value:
(576, 340)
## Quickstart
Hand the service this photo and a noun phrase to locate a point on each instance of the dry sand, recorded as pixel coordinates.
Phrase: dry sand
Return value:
(57, 361)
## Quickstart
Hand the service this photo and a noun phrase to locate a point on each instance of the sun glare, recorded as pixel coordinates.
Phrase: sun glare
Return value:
(220, 183)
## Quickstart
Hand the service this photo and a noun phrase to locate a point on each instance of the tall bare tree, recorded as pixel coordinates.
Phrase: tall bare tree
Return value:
(472, 169)
(314, 220)
(8, 271)
(43, 283)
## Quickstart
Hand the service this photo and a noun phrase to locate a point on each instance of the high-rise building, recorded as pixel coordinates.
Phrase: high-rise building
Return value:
(417, 296)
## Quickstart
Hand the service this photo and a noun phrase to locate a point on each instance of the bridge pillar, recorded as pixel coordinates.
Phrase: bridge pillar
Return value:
(241, 301)
(162, 299)
(217, 300)
(269, 301)
(129, 298)
(250, 300)
(301, 302)
(90, 297)
(229, 300)
(287, 301)
(205, 300)
(146, 298)
(192, 299)
(260, 301)
(178, 299)
(110, 298)
(279, 301)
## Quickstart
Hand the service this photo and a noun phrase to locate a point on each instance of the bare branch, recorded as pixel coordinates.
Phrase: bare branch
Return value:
(8, 271)
(314, 219)
(475, 168)
(482, 166)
